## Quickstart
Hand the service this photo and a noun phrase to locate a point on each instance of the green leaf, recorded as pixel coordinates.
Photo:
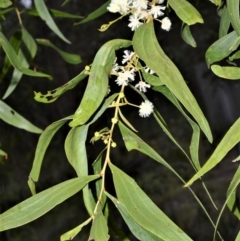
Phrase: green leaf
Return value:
(194, 146)
(236, 55)
(98, 81)
(39, 204)
(72, 233)
(16, 76)
(32, 50)
(69, 58)
(138, 231)
(216, 2)
(99, 229)
(15, 42)
(147, 48)
(231, 199)
(3, 12)
(238, 237)
(143, 210)
(15, 61)
(53, 95)
(10, 116)
(97, 13)
(5, 3)
(3, 153)
(233, 10)
(41, 148)
(45, 16)
(232, 73)
(77, 156)
(232, 194)
(224, 23)
(185, 11)
(222, 48)
(65, 2)
(55, 13)
(187, 35)
(231, 138)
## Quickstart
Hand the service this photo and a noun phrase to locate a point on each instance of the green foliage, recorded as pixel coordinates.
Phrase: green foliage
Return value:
(155, 70)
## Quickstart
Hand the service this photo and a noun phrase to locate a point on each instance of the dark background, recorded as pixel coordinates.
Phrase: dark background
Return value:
(218, 98)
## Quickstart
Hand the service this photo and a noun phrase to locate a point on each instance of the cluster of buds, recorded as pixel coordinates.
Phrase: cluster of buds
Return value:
(140, 11)
(104, 135)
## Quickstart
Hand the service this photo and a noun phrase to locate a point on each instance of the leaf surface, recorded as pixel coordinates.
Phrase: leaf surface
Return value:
(232, 73)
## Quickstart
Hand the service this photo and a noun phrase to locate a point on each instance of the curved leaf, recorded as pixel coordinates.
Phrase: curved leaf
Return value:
(41, 148)
(95, 14)
(185, 11)
(232, 194)
(231, 138)
(99, 229)
(233, 10)
(55, 13)
(72, 233)
(5, 3)
(187, 35)
(232, 73)
(98, 81)
(45, 16)
(143, 210)
(77, 156)
(222, 48)
(11, 117)
(224, 23)
(53, 95)
(39, 204)
(147, 48)
(69, 58)
(15, 61)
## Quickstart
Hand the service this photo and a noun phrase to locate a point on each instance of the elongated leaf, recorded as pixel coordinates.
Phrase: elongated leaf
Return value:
(99, 229)
(45, 16)
(216, 2)
(97, 13)
(55, 13)
(233, 10)
(72, 233)
(3, 153)
(98, 81)
(143, 210)
(133, 142)
(14, 59)
(77, 156)
(147, 48)
(224, 23)
(5, 3)
(11, 117)
(42, 146)
(185, 11)
(138, 231)
(194, 146)
(16, 76)
(69, 58)
(238, 237)
(39, 204)
(231, 199)
(221, 48)
(232, 73)
(29, 42)
(15, 42)
(53, 95)
(236, 55)
(231, 138)
(232, 194)
(3, 12)
(187, 35)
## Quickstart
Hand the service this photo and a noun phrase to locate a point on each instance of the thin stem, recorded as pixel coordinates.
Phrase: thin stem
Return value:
(18, 14)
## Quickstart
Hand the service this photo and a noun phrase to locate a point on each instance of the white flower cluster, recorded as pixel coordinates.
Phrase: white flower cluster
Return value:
(127, 73)
(140, 11)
